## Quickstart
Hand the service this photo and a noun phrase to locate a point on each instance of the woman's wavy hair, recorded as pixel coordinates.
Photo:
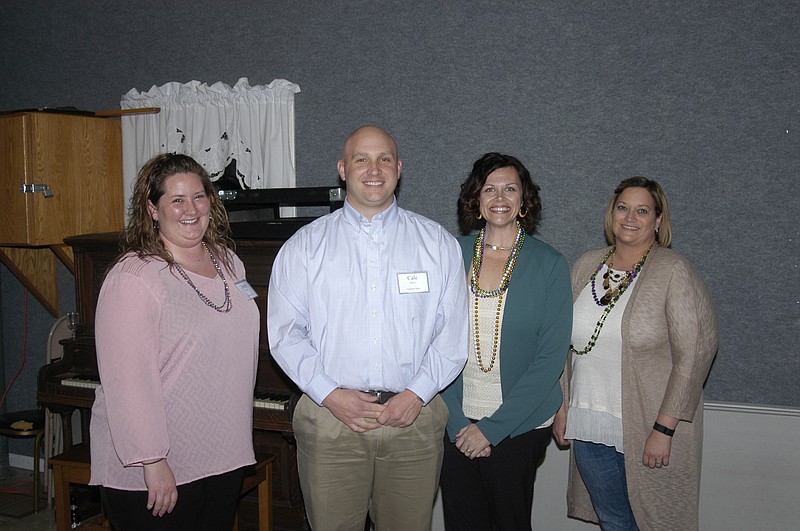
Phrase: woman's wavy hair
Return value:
(664, 234)
(468, 199)
(141, 235)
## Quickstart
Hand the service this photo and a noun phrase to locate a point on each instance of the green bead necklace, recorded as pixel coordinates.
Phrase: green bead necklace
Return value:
(631, 275)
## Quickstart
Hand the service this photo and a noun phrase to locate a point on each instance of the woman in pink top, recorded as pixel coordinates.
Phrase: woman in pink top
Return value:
(176, 331)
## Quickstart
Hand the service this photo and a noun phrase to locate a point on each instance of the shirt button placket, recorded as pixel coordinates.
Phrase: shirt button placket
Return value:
(373, 309)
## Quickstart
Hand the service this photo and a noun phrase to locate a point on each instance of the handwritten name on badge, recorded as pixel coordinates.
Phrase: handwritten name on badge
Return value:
(413, 282)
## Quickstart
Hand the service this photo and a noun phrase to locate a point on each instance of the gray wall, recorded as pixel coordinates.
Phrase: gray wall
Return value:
(702, 96)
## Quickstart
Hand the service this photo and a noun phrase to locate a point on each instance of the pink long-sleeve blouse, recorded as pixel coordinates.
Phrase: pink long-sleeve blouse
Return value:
(177, 376)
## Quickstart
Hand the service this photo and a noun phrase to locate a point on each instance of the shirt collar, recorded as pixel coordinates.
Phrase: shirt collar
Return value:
(384, 218)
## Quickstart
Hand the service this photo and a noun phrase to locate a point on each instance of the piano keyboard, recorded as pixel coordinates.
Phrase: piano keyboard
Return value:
(270, 401)
(86, 383)
(260, 400)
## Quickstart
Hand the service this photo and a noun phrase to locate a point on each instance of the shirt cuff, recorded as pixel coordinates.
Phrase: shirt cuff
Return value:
(423, 388)
(319, 388)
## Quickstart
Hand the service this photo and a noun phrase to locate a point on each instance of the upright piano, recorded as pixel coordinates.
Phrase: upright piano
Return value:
(68, 384)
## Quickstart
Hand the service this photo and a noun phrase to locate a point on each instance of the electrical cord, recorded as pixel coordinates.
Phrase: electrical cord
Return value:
(24, 348)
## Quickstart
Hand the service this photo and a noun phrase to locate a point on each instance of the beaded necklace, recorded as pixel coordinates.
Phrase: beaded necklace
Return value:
(622, 280)
(480, 293)
(612, 298)
(226, 304)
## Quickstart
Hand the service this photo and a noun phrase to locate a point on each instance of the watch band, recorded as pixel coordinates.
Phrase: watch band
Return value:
(663, 429)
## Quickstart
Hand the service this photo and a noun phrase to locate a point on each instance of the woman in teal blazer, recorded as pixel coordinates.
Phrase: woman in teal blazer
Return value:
(502, 405)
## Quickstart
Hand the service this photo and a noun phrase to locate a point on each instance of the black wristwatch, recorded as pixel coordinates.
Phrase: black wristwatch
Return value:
(663, 429)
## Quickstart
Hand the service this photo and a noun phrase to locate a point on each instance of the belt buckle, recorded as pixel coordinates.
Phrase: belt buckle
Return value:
(376, 393)
(383, 396)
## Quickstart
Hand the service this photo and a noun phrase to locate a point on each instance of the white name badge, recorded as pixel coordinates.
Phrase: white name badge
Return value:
(246, 289)
(413, 282)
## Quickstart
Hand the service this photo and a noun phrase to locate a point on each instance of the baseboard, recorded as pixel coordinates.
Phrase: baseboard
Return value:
(761, 409)
(749, 476)
(24, 462)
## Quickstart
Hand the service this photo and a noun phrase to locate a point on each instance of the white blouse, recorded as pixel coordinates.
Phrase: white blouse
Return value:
(483, 393)
(595, 402)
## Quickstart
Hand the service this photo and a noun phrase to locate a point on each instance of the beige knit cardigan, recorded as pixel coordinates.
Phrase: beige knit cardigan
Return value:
(669, 339)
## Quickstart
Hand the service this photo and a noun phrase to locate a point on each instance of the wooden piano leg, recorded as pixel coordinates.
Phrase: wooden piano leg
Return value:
(86, 418)
(259, 476)
(66, 429)
(265, 501)
(62, 500)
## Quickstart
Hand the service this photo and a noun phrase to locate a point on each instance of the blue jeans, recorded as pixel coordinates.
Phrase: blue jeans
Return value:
(602, 469)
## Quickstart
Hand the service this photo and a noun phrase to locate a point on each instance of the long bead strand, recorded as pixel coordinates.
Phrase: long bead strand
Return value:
(226, 304)
(612, 302)
(478, 292)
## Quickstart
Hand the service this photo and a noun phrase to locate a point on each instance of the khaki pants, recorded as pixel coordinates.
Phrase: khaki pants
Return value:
(391, 472)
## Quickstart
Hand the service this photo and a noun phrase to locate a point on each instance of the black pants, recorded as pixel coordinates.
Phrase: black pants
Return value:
(208, 504)
(492, 493)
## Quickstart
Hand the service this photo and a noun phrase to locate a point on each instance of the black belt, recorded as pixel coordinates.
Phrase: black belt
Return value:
(383, 396)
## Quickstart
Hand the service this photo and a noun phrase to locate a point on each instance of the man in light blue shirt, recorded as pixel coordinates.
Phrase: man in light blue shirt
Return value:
(367, 313)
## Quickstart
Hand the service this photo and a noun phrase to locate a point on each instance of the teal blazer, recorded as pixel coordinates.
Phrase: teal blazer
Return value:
(536, 333)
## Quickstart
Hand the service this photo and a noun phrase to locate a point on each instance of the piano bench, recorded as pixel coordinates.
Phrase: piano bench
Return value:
(259, 475)
(71, 466)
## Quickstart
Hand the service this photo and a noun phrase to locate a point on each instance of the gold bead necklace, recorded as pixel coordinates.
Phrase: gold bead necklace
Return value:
(479, 293)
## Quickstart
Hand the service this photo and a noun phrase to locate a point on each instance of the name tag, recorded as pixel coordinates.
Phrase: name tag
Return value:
(413, 282)
(246, 289)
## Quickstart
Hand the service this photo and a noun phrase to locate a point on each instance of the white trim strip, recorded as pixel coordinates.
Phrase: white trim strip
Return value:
(735, 407)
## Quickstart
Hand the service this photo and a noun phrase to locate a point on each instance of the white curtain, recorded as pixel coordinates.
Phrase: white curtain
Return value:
(214, 124)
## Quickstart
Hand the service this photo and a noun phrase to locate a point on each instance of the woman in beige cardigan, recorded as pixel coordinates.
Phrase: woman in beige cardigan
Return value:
(645, 333)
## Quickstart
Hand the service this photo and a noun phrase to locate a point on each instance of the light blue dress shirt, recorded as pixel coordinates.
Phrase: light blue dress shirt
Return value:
(369, 305)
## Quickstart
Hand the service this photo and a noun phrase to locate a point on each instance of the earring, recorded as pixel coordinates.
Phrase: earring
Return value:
(521, 215)
(480, 216)
(155, 225)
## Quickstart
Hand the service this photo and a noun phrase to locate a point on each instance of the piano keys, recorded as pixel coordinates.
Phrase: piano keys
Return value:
(77, 380)
(271, 401)
(261, 400)
(69, 384)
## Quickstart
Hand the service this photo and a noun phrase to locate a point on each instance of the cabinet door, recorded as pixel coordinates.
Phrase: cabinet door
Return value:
(101, 203)
(78, 158)
(13, 213)
(54, 150)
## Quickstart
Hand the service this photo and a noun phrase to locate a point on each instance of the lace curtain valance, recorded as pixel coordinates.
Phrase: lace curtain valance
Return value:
(215, 124)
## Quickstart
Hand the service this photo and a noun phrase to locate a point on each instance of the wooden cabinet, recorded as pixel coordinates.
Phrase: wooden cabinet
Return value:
(71, 168)
(60, 176)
